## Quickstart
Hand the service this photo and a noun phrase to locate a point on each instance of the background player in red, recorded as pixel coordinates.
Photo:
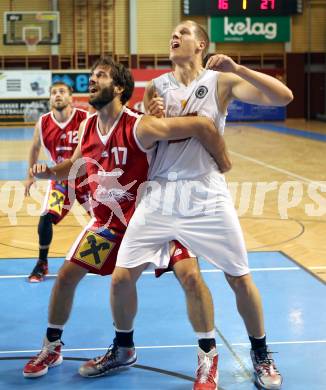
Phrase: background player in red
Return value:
(57, 132)
(115, 147)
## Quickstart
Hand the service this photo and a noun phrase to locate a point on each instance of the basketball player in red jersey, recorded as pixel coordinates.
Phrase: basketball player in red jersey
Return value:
(115, 147)
(57, 132)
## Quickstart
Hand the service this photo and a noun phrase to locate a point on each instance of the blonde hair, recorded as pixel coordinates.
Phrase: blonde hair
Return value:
(202, 35)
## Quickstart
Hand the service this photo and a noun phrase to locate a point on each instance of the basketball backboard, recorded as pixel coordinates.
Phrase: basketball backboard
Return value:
(21, 28)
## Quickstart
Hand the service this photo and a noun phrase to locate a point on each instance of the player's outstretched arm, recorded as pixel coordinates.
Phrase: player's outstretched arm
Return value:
(58, 172)
(151, 129)
(32, 158)
(248, 85)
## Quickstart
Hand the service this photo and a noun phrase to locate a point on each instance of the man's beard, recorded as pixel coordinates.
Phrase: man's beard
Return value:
(103, 98)
(60, 107)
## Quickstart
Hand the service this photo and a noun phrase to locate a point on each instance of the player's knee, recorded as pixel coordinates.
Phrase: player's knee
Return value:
(121, 280)
(240, 284)
(190, 279)
(67, 277)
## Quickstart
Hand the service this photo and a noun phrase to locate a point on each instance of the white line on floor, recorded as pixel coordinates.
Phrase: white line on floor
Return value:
(273, 167)
(204, 271)
(171, 346)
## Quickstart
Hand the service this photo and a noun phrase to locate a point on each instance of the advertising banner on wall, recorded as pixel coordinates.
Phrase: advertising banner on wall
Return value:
(141, 77)
(25, 84)
(239, 111)
(28, 110)
(76, 79)
(22, 110)
(250, 29)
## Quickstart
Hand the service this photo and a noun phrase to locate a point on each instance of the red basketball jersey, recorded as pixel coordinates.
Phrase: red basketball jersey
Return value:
(116, 165)
(60, 139)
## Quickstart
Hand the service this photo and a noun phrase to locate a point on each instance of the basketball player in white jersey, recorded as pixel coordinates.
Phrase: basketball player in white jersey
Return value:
(210, 228)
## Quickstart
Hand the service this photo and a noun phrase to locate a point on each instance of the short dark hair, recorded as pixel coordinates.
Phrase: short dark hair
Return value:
(120, 75)
(201, 34)
(56, 83)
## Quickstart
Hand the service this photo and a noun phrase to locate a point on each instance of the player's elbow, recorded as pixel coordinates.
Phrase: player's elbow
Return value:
(286, 97)
(207, 131)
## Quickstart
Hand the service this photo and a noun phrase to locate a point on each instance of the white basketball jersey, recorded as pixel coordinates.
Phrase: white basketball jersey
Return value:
(187, 159)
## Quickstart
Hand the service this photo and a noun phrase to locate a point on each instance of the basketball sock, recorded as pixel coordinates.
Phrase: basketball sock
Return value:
(54, 332)
(43, 254)
(124, 338)
(206, 340)
(258, 343)
(45, 232)
(207, 344)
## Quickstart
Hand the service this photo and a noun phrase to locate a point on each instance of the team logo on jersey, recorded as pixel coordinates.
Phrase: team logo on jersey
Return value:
(63, 136)
(201, 92)
(105, 154)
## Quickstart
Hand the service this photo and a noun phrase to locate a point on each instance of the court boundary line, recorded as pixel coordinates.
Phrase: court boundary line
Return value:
(304, 268)
(244, 344)
(204, 271)
(274, 168)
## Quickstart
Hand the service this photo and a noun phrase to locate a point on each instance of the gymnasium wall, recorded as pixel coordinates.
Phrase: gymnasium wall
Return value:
(304, 73)
(155, 22)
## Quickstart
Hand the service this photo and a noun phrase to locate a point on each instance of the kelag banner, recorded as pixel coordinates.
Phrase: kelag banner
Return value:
(250, 29)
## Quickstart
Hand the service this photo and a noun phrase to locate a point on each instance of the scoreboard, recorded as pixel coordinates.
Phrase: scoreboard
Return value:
(242, 7)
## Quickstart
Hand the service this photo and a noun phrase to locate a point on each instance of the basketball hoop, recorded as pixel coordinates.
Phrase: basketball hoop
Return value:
(32, 35)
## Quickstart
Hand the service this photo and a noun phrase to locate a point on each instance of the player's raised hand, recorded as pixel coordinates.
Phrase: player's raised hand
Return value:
(40, 171)
(28, 184)
(221, 63)
(156, 106)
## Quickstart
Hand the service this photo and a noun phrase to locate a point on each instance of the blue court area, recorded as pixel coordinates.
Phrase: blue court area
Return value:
(295, 311)
(16, 133)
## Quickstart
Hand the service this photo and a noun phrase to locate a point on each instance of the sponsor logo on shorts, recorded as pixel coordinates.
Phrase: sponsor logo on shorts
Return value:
(56, 201)
(94, 250)
(177, 252)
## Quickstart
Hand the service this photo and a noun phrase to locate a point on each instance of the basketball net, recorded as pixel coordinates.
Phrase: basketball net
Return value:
(32, 35)
(31, 43)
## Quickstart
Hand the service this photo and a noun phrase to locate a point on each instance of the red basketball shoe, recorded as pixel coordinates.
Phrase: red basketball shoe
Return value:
(207, 374)
(39, 271)
(49, 356)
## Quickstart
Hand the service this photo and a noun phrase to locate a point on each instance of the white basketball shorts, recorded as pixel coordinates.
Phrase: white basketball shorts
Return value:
(199, 214)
